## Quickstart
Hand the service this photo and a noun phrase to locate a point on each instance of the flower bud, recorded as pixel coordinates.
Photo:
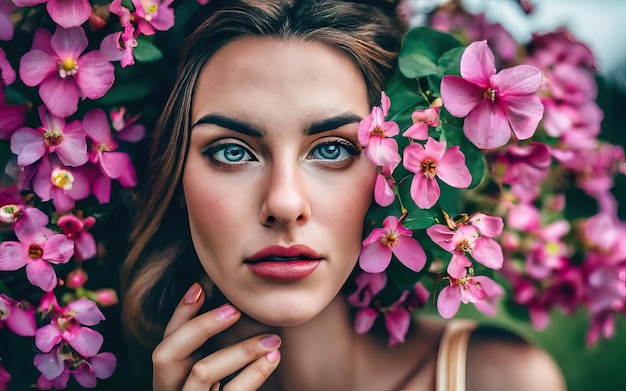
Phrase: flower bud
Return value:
(10, 213)
(76, 278)
(106, 297)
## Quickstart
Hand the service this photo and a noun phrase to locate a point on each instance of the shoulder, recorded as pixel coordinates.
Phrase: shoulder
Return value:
(499, 360)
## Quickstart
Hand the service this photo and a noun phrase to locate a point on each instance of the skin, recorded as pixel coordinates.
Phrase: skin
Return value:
(283, 189)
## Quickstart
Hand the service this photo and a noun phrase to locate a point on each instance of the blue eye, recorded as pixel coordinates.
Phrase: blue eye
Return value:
(228, 153)
(335, 151)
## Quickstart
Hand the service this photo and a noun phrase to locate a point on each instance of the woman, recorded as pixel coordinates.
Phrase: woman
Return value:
(257, 203)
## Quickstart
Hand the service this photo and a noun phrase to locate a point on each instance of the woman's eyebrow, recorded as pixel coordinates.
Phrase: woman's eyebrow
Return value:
(332, 123)
(229, 123)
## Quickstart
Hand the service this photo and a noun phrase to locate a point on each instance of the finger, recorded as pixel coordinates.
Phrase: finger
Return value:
(182, 342)
(254, 375)
(187, 308)
(231, 359)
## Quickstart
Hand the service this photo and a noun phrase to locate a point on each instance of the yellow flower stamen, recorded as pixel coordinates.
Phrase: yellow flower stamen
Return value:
(67, 67)
(429, 168)
(35, 251)
(62, 179)
(52, 137)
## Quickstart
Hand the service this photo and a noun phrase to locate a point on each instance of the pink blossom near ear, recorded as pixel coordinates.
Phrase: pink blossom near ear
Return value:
(368, 286)
(19, 316)
(376, 134)
(64, 75)
(65, 14)
(76, 229)
(152, 15)
(430, 161)
(481, 291)
(422, 119)
(54, 135)
(63, 185)
(394, 239)
(114, 165)
(495, 104)
(36, 250)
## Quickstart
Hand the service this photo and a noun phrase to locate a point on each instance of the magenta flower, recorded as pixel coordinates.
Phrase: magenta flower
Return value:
(394, 239)
(430, 160)
(63, 185)
(397, 320)
(494, 103)
(422, 119)
(113, 165)
(153, 15)
(36, 249)
(376, 136)
(85, 371)
(368, 285)
(64, 13)
(525, 168)
(64, 75)
(473, 238)
(66, 140)
(126, 128)
(6, 24)
(19, 316)
(481, 291)
(76, 229)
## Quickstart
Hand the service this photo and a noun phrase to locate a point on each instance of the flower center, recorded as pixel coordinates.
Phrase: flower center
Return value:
(389, 240)
(552, 248)
(490, 94)
(67, 67)
(464, 245)
(150, 9)
(35, 251)
(429, 168)
(377, 132)
(9, 214)
(52, 137)
(62, 179)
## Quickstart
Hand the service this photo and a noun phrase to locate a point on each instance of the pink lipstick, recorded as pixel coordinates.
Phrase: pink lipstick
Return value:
(284, 263)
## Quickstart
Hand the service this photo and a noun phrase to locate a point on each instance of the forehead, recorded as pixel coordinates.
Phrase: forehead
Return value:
(256, 77)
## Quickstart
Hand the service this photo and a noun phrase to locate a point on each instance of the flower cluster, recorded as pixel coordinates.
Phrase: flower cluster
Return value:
(67, 160)
(500, 151)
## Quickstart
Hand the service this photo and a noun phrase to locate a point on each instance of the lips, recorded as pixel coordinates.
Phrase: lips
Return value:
(284, 263)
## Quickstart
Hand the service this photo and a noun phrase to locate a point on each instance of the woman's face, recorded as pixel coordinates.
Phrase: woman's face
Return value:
(275, 182)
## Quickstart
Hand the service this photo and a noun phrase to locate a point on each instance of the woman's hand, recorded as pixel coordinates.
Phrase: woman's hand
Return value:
(174, 368)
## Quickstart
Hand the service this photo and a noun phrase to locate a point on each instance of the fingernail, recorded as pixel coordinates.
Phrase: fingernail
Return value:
(226, 312)
(273, 356)
(271, 341)
(193, 294)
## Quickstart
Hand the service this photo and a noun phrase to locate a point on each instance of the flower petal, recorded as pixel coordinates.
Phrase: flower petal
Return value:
(410, 253)
(488, 252)
(460, 96)
(58, 249)
(478, 63)
(487, 126)
(69, 42)
(103, 364)
(452, 169)
(60, 95)
(49, 364)
(28, 145)
(96, 125)
(397, 321)
(424, 191)
(364, 320)
(383, 193)
(87, 312)
(41, 274)
(441, 235)
(517, 80)
(69, 13)
(523, 113)
(375, 257)
(86, 341)
(95, 75)
(449, 301)
(12, 256)
(35, 66)
(47, 337)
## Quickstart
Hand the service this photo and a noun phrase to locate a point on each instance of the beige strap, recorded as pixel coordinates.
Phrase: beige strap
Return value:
(451, 359)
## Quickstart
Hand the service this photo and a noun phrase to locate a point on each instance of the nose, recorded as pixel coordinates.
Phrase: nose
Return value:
(285, 199)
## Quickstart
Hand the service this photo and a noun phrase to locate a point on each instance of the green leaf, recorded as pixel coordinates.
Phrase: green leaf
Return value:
(421, 49)
(146, 51)
(128, 92)
(450, 62)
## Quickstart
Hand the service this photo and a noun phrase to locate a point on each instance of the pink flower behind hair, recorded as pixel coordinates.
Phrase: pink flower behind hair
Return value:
(495, 104)
(64, 75)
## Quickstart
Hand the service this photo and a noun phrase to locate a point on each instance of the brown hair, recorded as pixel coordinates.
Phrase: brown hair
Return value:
(162, 263)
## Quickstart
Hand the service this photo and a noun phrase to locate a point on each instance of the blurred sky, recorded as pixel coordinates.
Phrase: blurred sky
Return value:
(601, 24)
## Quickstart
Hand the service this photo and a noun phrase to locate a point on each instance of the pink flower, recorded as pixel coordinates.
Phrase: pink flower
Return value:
(6, 24)
(376, 136)
(422, 119)
(368, 285)
(66, 140)
(474, 238)
(394, 239)
(430, 160)
(36, 250)
(114, 165)
(153, 15)
(55, 63)
(397, 320)
(481, 291)
(85, 371)
(119, 46)
(12, 117)
(65, 14)
(494, 103)
(63, 185)
(76, 229)
(76, 279)
(126, 128)
(7, 74)
(383, 189)
(19, 316)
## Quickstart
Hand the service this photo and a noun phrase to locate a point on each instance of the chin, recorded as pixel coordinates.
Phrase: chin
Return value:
(288, 313)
